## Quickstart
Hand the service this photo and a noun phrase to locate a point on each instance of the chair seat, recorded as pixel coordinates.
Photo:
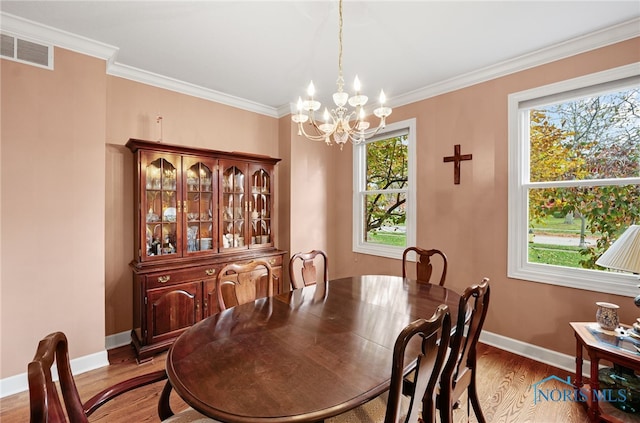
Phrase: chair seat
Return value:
(189, 416)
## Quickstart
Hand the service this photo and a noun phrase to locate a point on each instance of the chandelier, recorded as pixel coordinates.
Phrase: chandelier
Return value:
(340, 123)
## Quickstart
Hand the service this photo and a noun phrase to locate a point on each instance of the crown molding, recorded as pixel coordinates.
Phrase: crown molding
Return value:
(598, 39)
(46, 34)
(160, 81)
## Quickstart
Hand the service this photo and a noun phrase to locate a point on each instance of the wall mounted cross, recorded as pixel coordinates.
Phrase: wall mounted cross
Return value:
(456, 159)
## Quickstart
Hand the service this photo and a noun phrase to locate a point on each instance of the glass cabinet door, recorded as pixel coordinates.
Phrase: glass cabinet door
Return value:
(260, 206)
(233, 206)
(200, 187)
(160, 205)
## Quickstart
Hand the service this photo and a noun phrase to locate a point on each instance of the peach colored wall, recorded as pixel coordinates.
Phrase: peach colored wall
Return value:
(469, 221)
(132, 108)
(53, 206)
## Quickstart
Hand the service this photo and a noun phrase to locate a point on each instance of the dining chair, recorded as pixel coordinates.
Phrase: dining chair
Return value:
(424, 267)
(307, 274)
(392, 406)
(44, 400)
(459, 373)
(243, 283)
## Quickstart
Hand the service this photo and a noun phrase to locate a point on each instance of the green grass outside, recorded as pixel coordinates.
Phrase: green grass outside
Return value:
(387, 238)
(555, 225)
(559, 255)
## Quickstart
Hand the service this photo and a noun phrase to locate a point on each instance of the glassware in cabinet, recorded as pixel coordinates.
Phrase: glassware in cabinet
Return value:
(234, 206)
(260, 206)
(159, 176)
(200, 225)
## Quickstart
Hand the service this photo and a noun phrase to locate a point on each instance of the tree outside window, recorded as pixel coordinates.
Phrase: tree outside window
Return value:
(574, 180)
(384, 191)
(596, 139)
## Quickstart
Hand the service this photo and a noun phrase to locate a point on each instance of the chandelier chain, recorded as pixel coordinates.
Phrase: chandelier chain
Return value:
(340, 77)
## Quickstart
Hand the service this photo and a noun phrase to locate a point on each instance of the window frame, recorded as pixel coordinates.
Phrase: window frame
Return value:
(359, 184)
(519, 104)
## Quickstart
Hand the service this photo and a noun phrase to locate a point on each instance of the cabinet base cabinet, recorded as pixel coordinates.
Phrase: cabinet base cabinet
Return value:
(168, 300)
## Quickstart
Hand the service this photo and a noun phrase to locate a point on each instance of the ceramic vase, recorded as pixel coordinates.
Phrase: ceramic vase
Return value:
(607, 315)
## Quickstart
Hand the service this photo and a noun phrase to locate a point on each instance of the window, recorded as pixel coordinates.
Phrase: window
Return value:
(384, 205)
(574, 178)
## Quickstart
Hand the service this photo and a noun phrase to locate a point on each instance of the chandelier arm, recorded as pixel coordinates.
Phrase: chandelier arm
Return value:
(355, 136)
(320, 134)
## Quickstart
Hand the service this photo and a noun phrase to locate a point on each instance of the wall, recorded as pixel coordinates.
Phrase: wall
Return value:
(53, 206)
(469, 221)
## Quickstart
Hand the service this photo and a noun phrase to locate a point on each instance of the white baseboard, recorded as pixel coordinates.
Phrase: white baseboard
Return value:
(19, 383)
(118, 340)
(15, 384)
(534, 352)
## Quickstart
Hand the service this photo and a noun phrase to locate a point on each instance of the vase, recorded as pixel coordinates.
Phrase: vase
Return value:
(607, 315)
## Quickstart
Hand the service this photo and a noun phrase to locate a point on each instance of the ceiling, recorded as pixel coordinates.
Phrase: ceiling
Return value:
(262, 54)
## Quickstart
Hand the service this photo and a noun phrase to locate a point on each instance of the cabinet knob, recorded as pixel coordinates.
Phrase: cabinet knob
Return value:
(210, 272)
(272, 261)
(164, 279)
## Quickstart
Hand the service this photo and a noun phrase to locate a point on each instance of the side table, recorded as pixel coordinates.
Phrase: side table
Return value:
(601, 345)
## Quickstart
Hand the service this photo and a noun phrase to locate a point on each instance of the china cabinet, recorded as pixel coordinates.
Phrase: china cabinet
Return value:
(196, 210)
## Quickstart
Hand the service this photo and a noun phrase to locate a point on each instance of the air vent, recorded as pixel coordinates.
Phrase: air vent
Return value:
(24, 51)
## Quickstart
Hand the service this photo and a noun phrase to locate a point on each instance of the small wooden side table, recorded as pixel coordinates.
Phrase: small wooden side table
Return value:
(600, 346)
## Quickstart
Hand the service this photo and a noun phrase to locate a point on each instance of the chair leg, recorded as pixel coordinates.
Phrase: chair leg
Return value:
(472, 392)
(445, 405)
(428, 411)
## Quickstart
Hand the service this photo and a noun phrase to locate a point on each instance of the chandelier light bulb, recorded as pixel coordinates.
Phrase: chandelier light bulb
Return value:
(326, 115)
(383, 98)
(356, 85)
(311, 90)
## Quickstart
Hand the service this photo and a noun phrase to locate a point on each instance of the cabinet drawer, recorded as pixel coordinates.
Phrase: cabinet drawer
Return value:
(172, 277)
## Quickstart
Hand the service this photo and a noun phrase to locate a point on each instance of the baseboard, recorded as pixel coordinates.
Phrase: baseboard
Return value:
(534, 352)
(19, 383)
(118, 340)
(15, 384)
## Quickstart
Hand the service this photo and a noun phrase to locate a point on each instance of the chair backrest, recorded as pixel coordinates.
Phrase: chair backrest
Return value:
(424, 268)
(243, 283)
(308, 273)
(462, 356)
(44, 401)
(435, 334)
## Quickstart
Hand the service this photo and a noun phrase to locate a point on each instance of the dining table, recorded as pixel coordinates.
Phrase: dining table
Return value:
(304, 355)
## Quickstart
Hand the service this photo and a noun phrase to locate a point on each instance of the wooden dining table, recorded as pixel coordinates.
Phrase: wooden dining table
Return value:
(304, 355)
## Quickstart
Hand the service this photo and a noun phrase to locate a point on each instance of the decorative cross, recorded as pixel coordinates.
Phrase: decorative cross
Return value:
(456, 159)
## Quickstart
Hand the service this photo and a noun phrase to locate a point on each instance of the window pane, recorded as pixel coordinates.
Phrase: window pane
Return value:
(385, 217)
(573, 226)
(594, 137)
(387, 164)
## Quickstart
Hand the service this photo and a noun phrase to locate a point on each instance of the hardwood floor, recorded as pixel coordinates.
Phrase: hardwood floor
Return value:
(505, 390)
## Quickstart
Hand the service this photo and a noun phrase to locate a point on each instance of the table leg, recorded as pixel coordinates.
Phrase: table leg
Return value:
(594, 409)
(578, 381)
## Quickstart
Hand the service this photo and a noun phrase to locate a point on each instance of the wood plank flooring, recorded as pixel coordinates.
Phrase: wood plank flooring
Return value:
(505, 391)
